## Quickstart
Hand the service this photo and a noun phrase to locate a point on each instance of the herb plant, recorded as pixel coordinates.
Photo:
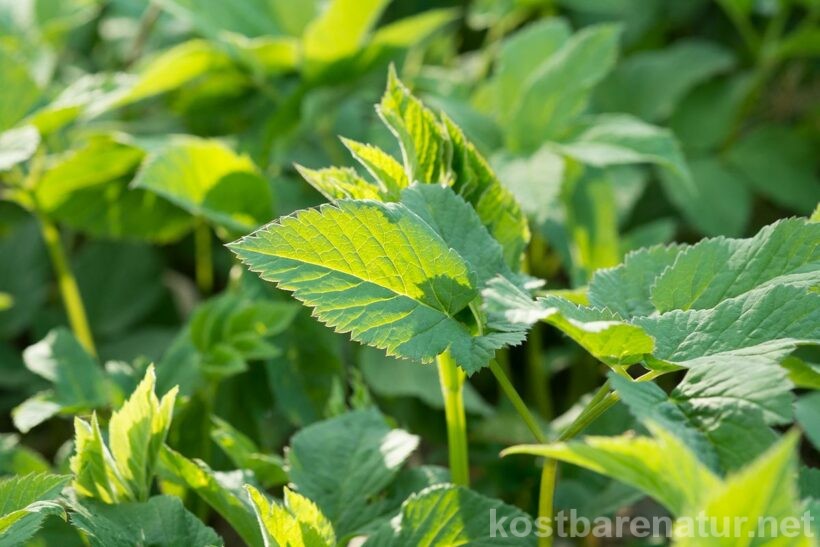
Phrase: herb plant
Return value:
(569, 265)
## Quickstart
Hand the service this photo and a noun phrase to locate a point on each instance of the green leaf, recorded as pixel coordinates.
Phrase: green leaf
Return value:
(617, 139)
(739, 432)
(267, 468)
(18, 145)
(297, 523)
(25, 501)
(208, 179)
(592, 224)
(717, 202)
(20, 91)
(521, 55)
(410, 31)
(174, 67)
(724, 436)
(807, 411)
(271, 55)
(661, 465)
(342, 464)
(452, 515)
(601, 332)
(246, 17)
(98, 162)
(705, 117)
(494, 204)
(95, 472)
(382, 273)
(767, 489)
(339, 31)
(650, 405)
(197, 476)
(802, 373)
(340, 183)
(558, 91)
(433, 151)
(18, 459)
(425, 147)
(230, 330)
(382, 167)
(78, 380)
(87, 189)
(777, 153)
(536, 182)
(137, 432)
(783, 253)
(304, 378)
(61, 359)
(728, 310)
(626, 289)
(650, 84)
(161, 521)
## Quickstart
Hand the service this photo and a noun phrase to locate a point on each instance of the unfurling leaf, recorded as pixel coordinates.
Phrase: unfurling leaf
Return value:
(137, 432)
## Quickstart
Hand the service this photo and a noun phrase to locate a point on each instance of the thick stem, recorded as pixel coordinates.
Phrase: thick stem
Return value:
(203, 257)
(546, 495)
(72, 300)
(452, 389)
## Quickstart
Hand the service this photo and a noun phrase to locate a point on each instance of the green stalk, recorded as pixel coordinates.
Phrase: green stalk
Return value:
(452, 389)
(203, 257)
(518, 403)
(548, 472)
(546, 496)
(72, 300)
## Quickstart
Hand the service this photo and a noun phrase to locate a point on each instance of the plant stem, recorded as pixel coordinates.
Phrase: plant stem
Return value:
(517, 402)
(452, 389)
(203, 257)
(548, 472)
(147, 22)
(603, 400)
(72, 300)
(546, 496)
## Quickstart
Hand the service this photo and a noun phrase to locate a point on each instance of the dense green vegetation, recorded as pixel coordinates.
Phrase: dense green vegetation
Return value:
(570, 263)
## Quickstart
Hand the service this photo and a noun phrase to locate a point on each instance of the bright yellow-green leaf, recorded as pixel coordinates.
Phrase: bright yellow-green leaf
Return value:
(298, 523)
(137, 432)
(661, 465)
(208, 179)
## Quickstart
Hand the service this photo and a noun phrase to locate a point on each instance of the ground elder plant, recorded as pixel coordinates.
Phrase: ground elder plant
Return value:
(561, 286)
(361, 264)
